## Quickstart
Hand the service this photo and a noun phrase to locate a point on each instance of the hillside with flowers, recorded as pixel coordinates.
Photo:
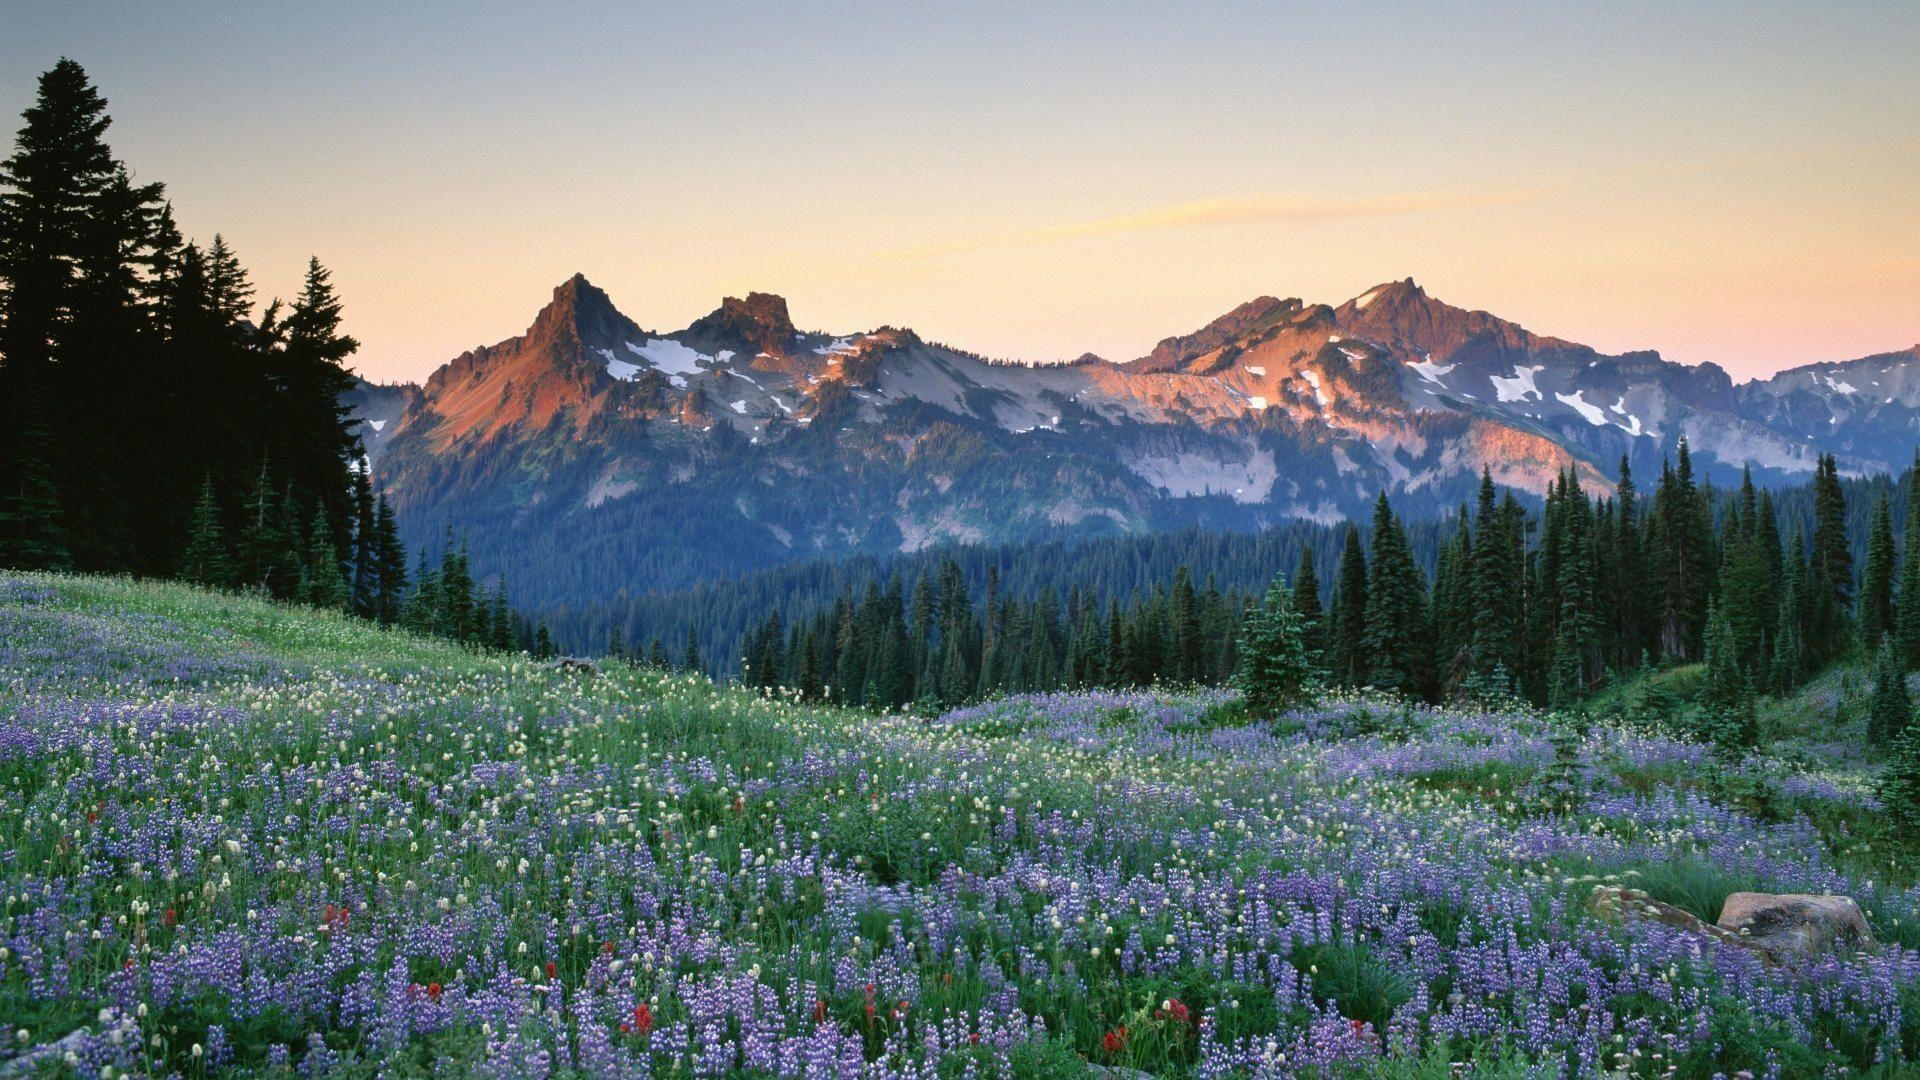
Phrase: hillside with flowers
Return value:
(259, 839)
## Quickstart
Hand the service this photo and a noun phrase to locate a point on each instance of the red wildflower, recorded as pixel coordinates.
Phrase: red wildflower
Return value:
(170, 917)
(819, 1011)
(433, 991)
(1172, 1009)
(642, 1018)
(869, 1001)
(1115, 1040)
(550, 970)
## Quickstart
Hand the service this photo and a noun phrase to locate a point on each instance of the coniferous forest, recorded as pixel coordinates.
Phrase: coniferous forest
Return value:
(1546, 602)
(157, 421)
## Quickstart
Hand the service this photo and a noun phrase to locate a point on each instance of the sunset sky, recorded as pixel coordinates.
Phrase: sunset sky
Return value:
(1722, 181)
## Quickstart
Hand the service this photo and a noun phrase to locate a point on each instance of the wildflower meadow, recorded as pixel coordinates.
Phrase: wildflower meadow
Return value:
(241, 838)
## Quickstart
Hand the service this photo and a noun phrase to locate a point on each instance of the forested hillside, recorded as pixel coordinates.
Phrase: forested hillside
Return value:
(1638, 581)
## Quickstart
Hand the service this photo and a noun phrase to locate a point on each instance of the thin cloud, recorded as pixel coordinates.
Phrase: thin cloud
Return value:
(1253, 210)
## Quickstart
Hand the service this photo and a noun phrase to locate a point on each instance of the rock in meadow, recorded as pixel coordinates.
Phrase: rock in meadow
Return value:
(1795, 926)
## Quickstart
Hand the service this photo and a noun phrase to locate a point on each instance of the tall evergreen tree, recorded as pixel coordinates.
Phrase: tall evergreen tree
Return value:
(1891, 710)
(326, 585)
(1275, 673)
(206, 561)
(1347, 639)
(1876, 604)
(690, 656)
(1831, 605)
(1306, 601)
(1907, 613)
(1726, 701)
(1395, 643)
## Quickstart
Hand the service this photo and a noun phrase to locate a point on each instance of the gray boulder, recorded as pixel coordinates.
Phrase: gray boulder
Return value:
(1795, 926)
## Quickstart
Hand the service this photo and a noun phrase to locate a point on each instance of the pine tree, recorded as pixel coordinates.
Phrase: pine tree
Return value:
(1907, 612)
(326, 586)
(1452, 609)
(1788, 663)
(1877, 615)
(1306, 601)
(206, 562)
(1275, 673)
(1900, 783)
(1726, 701)
(690, 657)
(1832, 560)
(32, 530)
(1395, 643)
(1891, 710)
(1683, 542)
(543, 642)
(1349, 630)
(1498, 569)
(1578, 664)
(365, 589)
(390, 572)
(1630, 635)
(501, 624)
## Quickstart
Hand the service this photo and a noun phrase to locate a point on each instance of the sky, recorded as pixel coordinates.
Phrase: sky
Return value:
(1733, 182)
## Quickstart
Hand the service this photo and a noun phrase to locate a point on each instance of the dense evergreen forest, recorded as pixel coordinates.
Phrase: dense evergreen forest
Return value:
(151, 423)
(1547, 601)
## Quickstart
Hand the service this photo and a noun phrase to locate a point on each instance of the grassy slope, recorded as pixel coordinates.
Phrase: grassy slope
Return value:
(704, 785)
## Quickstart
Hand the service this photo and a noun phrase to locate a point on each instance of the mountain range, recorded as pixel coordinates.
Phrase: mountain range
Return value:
(591, 456)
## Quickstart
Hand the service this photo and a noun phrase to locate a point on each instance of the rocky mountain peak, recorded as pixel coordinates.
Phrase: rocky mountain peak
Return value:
(1174, 352)
(579, 311)
(759, 323)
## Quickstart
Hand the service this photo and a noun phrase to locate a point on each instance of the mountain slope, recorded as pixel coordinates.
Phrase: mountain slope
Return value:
(590, 455)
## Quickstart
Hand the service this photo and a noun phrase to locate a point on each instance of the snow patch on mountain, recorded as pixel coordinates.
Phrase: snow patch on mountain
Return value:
(1520, 386)
(1313, 380)
(1582, 406)
(1431, 371)
(1189, 473)
(669, 356)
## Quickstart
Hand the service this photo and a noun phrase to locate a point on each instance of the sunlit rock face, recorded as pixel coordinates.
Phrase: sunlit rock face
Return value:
(593, 450)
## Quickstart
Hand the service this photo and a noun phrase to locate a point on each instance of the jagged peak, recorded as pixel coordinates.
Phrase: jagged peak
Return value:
(760, 320)
(579, 309)
(1389, 294)
(1172, 352)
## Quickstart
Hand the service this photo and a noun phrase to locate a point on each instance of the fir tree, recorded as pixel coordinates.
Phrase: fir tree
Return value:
(1900, 783)
(1891, 710)
(1347, 640)
(390, 571)
(1306, 601)
(1876, 604)
(1788, 663)
(1395, 643)
(1907, 611)
(1832, 562)
(32, 531)
(1726, 701)
(206, 562)
(1275, 673)
(326, 586)
(690, 656)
